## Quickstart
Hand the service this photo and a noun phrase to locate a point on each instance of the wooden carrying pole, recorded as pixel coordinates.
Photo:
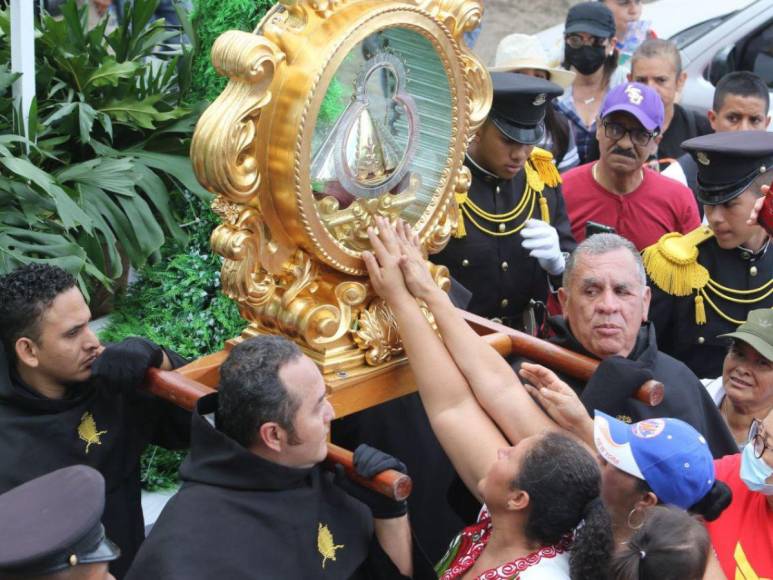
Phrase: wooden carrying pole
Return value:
(184, 392)
(507, 341)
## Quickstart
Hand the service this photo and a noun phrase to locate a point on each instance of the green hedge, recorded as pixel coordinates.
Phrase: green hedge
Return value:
(177, 302)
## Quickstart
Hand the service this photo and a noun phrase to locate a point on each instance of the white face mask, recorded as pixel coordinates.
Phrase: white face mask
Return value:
(754, 471)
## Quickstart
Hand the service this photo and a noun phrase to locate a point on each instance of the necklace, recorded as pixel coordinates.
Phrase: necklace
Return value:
(588, 101)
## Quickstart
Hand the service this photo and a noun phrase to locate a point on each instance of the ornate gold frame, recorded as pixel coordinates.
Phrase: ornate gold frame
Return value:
(285, 270)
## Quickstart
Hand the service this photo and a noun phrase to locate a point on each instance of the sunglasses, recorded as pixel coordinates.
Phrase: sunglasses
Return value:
(577, 41)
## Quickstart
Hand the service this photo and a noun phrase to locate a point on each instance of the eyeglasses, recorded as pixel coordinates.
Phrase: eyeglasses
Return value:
(757, 438)
(577, 41)
(616, 131)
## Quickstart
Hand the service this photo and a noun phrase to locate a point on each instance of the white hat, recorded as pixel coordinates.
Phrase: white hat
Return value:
(517, 51)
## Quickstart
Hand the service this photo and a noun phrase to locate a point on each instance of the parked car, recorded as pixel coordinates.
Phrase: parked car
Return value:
(739, 40)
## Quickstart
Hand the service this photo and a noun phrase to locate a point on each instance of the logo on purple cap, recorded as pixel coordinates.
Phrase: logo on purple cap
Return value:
(649, 428)
(635, 95)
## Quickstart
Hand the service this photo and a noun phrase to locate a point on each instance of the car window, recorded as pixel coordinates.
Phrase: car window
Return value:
(756, 53)
(689, 35)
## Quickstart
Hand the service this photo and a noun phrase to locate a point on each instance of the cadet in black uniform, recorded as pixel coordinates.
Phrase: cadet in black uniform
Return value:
(52, 529)
(706, 282)
(513, 228)
(66, 400)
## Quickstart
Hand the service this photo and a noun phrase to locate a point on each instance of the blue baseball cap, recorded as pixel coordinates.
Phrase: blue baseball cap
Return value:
(638, 100)
(670, 455)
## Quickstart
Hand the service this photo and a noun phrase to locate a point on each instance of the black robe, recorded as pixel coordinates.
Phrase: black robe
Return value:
(238, 516)
(685, 397)
(93, 425)
(698, 345)
(499, 272)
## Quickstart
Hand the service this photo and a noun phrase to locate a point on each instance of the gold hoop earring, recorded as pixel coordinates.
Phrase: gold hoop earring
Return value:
(641, 523)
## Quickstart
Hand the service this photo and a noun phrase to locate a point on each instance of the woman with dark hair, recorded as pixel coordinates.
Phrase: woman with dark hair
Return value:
(589, 52)
(670, 545)
(543, 515)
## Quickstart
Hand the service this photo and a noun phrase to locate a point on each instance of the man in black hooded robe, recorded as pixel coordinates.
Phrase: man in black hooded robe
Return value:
(67, 400)
(255, 501)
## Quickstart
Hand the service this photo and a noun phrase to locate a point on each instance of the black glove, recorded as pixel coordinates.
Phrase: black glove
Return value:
(122, 366)
(613, 384)
(368, 462)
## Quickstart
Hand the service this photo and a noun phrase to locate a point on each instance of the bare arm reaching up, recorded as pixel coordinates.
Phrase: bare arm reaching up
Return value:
(496, 386)
(468, 436)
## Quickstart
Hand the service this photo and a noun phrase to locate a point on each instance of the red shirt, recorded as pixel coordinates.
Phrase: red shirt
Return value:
(658, 206)
(743, 535)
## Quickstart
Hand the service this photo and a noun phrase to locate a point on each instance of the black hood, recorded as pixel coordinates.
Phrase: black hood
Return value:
(216, 459)
(16, 393)
(645, 349)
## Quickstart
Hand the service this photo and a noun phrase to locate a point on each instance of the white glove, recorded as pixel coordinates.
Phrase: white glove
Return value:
(542, 239)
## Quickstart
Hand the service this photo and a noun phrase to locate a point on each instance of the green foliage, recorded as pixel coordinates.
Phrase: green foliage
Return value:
(210, 19)
(159, 467)
(105, 149)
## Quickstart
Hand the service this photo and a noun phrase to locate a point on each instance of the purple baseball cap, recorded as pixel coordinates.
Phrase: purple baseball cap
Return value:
(670, 455)
(637, 99)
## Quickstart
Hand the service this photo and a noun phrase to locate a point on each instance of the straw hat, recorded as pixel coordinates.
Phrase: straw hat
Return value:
(518, 51)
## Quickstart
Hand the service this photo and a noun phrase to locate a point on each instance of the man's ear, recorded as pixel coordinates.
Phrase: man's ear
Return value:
(562, 299)
(680, 80)
(645, 309)
(517, 500)
(712, 119)
(27, 352)
(273, 436)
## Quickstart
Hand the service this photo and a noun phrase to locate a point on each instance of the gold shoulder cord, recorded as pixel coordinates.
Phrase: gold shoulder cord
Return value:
(672, 264)
(540, 170)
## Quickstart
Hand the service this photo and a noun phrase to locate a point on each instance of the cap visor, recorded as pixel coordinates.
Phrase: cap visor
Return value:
(644, 119)
(612, 437)
(522, 135)
(562, 77)
(589, 26)
(106, 551)
(722, 198)
(757, 343)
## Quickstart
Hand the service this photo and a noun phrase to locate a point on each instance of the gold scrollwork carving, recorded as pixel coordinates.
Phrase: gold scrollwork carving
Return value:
(242, 277)
(228, 212)
(481, 92)
(329, 324)
(350, 225)
(322, 8)
(224, 147)
(377, 333)
(459, 16)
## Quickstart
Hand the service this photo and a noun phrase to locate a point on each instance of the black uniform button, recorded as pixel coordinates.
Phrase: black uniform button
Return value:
(504, 303)
(505, 266)
(746, 256)
(701, 340)
(753, 271)
(502, 227)
(465, 262)
(497, 189)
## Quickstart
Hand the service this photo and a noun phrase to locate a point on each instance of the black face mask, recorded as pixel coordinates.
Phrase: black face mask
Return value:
(586, 59)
